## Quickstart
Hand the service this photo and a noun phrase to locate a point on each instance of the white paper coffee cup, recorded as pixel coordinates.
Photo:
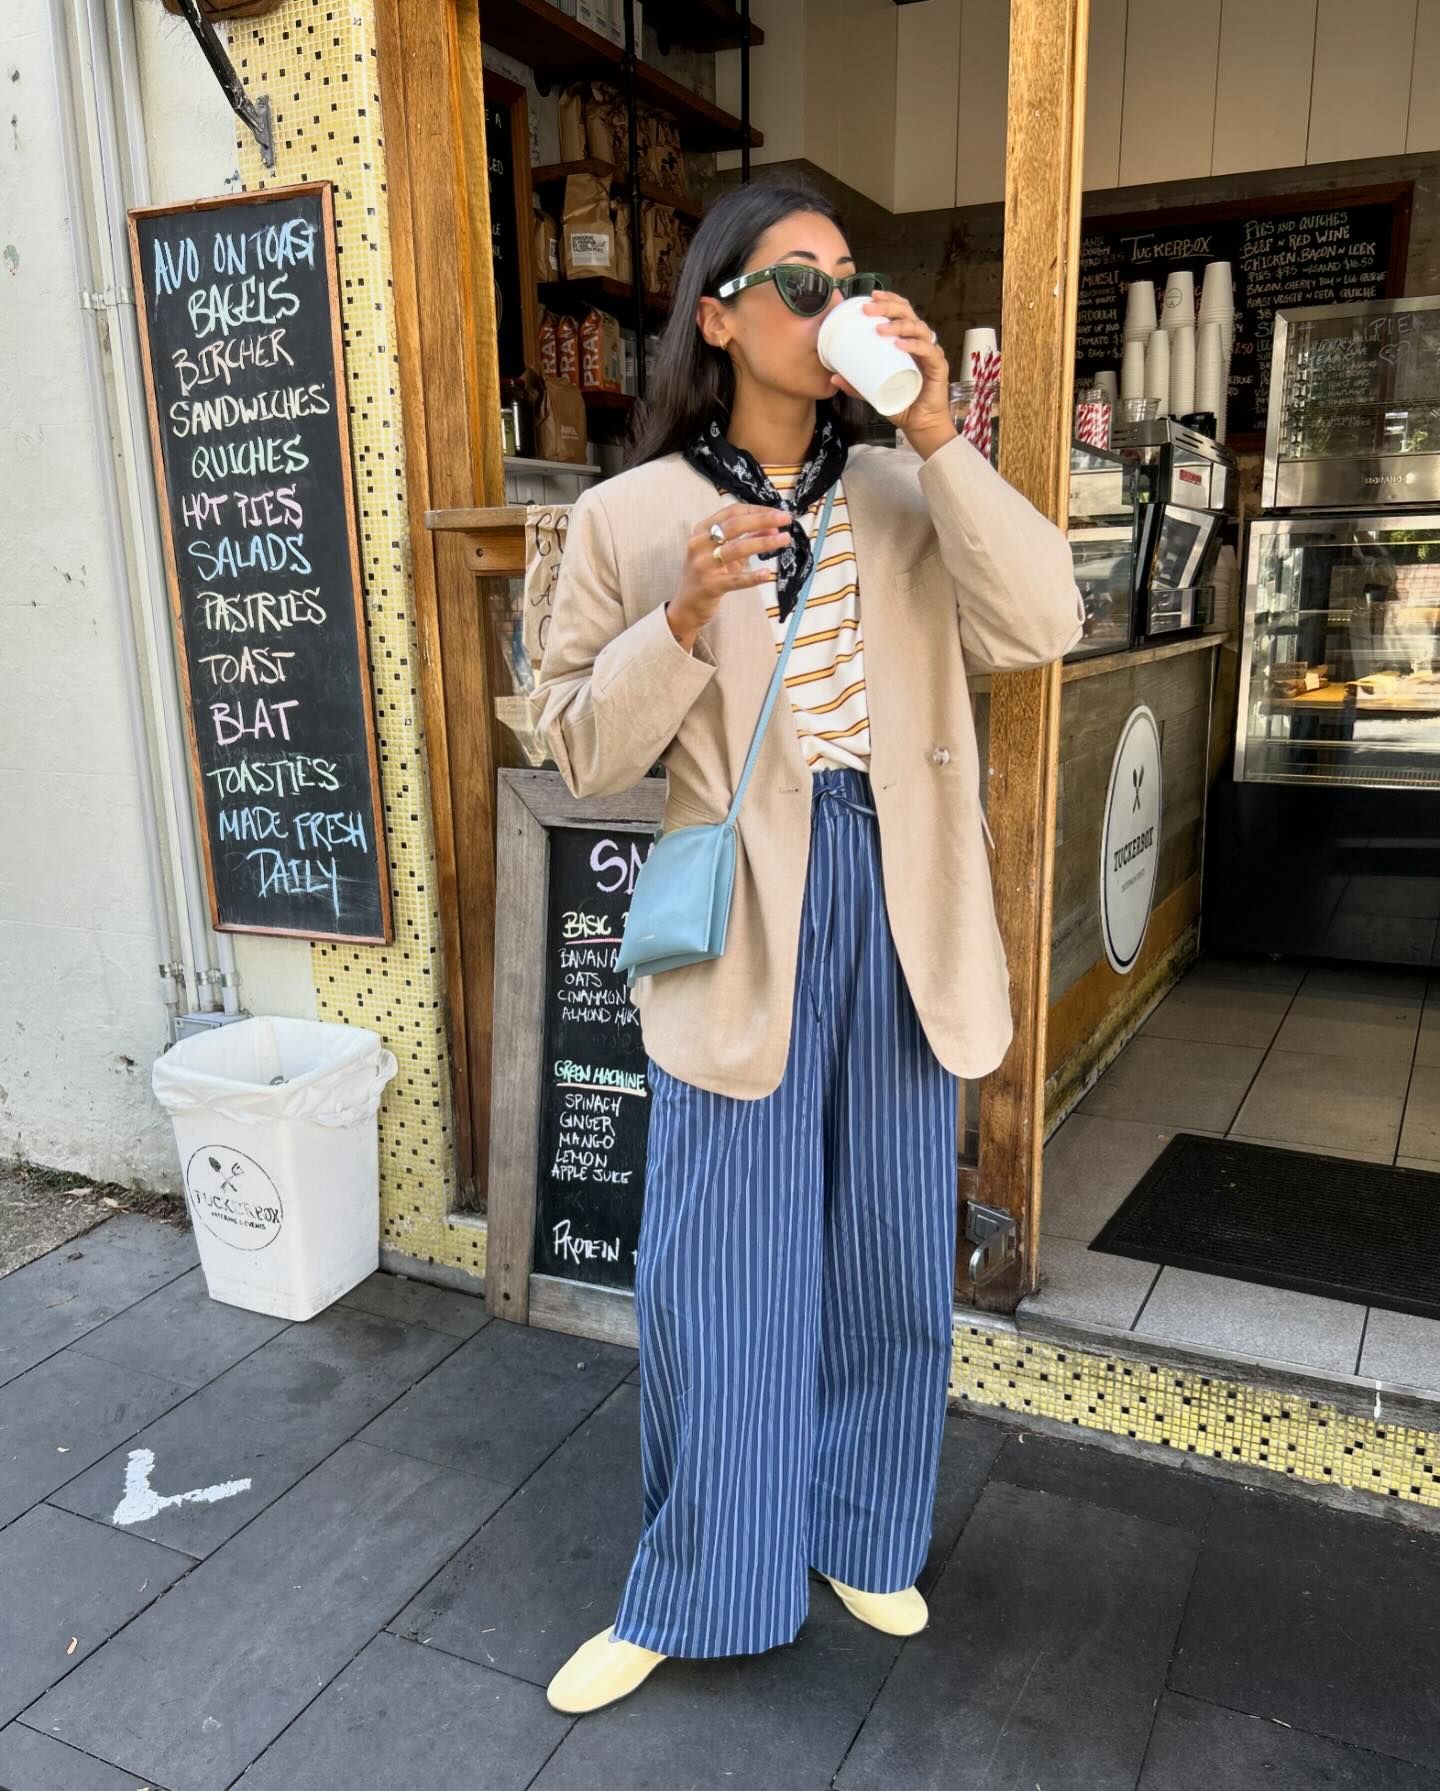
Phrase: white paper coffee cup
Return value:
(880, 371)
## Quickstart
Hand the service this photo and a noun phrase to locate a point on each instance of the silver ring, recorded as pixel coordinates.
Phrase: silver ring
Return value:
(717, 534)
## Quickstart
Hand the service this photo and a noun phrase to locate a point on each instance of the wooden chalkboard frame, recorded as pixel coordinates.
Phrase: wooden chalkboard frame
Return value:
(268, 195)
(1399, 195)
(527, 805)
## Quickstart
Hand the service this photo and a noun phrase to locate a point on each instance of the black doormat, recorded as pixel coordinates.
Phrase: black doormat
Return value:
(1322, 1225)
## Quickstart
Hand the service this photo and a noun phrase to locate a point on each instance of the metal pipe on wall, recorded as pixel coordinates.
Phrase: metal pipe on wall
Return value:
(175, 965)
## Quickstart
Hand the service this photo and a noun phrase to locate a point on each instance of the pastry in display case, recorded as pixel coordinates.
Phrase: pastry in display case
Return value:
(1340, 670)
(1102, 527)
(1354, 415)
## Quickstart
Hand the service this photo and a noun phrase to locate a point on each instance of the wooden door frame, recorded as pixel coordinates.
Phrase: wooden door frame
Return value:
(430, 78)
(1044, 163)
(434, 126)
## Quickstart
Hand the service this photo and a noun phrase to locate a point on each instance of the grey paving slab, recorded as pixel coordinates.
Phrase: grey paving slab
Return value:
(1396, 938)
(503, 1400)
(1247, 973)
(1401, 1348)
(1319, 1619)
(31, 1762)
(1091, 1164)
(1346, 1103)
(182, 1333)
(1365, 981)
(58, 1298)
(200, 1683)
(417, 1303)
(68, 1582)
(1089, 1287)
(1351, 1025)
(1420, 1130)
(1101, 1475)
(1198, 1747)
(1050, 1631)
(547, 1570)
(1243, 1318)
(1167, 1082)
(1216, 1013)
(402, 1715)
(59, 1417)
(738, 1723)
(269, 1419)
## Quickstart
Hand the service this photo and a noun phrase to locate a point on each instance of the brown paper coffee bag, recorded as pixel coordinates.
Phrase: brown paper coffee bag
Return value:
(560, 425)
(587, 236)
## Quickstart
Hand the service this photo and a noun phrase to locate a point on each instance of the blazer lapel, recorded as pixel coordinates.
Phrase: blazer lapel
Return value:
(880, 630)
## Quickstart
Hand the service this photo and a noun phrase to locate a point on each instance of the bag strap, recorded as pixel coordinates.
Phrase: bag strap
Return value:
(778, 674)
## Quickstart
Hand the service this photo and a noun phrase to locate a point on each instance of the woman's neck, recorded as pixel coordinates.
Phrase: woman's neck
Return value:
(775, 428)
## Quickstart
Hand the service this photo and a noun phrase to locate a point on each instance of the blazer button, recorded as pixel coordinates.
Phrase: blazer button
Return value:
(940, 755)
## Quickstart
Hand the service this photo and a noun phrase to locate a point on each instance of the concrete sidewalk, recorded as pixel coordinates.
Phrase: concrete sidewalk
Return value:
(348, 1555)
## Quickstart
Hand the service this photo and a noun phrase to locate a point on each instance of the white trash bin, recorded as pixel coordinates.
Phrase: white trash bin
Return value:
(282, 1177)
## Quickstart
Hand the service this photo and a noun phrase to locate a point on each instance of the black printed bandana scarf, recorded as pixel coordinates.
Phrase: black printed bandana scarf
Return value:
(734, 470)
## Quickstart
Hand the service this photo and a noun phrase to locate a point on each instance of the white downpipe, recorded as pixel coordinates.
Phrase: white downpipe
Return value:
(120, 177)
(126, 59)
(162, 919)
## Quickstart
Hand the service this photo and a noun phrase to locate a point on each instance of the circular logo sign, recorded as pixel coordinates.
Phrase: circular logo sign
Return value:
(1130, 840)
(233, 1197)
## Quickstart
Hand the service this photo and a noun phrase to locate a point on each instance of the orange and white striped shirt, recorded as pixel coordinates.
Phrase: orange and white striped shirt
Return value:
(825, 674)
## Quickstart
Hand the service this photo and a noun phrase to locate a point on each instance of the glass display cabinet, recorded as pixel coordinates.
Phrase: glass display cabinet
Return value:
(1340, 669)
(1354, 414)
(1102, 527)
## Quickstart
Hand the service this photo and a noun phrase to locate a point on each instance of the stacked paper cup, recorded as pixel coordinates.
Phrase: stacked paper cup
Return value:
(1217, 306)
(1110, 386)
(1132, 370)
(1140, 319)
(1157, 368)
(1210, 371)
(1182, 370)
(1179, 300)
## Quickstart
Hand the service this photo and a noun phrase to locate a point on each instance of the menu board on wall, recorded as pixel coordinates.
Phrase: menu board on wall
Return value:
(240, 328)
(1311, 249)
(594, 1102)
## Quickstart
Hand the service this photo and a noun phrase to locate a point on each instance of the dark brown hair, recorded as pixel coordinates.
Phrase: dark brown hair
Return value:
(691, 382)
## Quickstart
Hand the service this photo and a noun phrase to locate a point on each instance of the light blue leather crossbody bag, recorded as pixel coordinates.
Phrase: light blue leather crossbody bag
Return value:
(680, 908)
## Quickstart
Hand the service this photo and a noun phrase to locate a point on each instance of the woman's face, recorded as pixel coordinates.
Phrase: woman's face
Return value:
(765, 339)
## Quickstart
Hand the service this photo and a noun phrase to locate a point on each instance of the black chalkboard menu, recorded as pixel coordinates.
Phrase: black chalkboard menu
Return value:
(594, 1102)
(1311, 249)
(507, 163)
(240, 327)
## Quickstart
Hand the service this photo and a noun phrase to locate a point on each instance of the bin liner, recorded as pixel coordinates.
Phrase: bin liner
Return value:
(333, 1075)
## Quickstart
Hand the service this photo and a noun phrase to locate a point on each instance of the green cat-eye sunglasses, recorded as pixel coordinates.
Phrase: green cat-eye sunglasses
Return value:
(806, 290)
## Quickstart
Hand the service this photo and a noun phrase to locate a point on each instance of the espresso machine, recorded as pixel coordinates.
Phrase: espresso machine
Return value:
(1188, 492)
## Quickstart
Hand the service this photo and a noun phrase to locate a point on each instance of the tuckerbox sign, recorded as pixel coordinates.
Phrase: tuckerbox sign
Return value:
(1130, 840)
(233, 1197)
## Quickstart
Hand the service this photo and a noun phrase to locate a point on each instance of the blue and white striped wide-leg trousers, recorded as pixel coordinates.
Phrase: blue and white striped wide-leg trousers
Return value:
(793, 1290)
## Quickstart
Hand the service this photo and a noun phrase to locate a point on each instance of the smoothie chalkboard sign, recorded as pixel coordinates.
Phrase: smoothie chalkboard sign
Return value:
(594, 1102)
(1311, 249)
(240, 326)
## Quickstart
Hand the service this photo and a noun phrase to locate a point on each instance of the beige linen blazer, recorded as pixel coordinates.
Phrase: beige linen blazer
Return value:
(957, 572)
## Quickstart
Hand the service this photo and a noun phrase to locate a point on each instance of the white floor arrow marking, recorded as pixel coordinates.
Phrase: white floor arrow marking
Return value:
(142, 1502)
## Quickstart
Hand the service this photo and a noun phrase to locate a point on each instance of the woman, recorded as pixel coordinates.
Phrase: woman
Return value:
(795, 1271)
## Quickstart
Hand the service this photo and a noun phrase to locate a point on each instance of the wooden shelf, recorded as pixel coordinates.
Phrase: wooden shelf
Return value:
(559, 48)
(552, 174)
(700, 24)
(562, 293)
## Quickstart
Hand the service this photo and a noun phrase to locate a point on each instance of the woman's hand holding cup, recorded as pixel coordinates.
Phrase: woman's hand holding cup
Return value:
(718, 562)
(926, 422)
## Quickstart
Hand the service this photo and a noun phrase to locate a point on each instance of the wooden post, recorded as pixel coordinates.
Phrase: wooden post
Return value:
(1043, 168)
(429, 65)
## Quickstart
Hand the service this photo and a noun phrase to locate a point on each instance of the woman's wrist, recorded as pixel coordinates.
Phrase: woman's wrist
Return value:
(681, 627)
(926, 442)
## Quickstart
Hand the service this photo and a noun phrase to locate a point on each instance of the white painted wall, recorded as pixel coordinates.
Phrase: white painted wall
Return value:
(81, 1019)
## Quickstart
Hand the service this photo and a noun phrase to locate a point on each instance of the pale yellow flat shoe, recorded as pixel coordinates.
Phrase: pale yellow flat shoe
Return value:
(598, 1672)
(902, 1613)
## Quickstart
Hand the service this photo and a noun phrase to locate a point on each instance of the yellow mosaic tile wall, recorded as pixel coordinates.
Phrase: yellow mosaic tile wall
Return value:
(1194, 1413)
(316, 59)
